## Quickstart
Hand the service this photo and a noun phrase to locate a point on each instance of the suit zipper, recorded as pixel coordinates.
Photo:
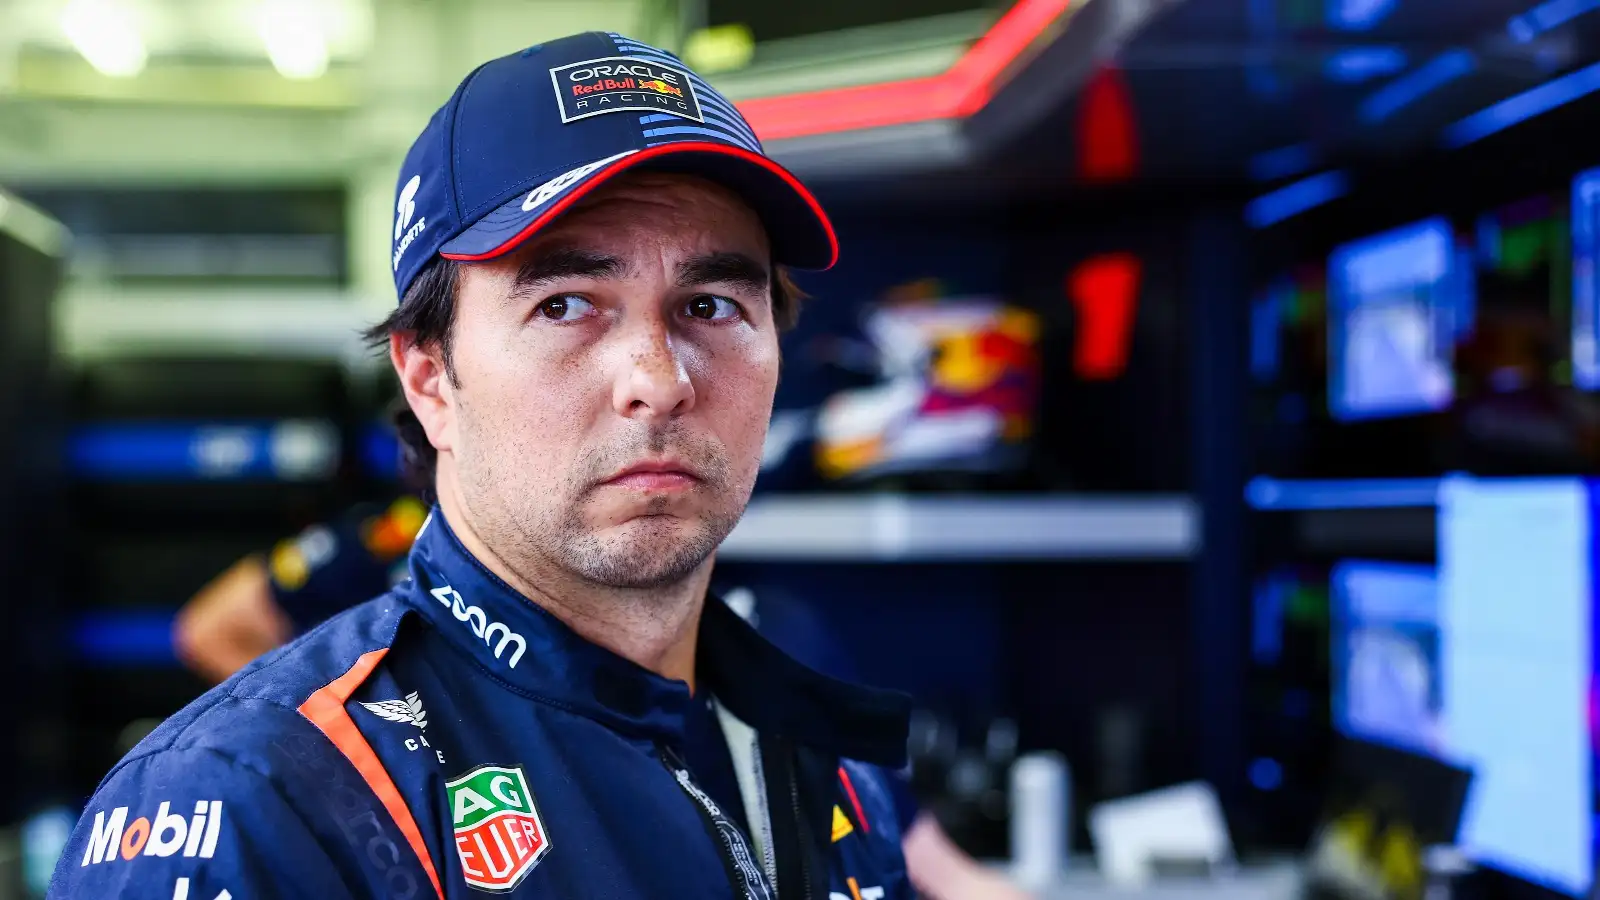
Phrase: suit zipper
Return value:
(800, 822)
(796, 852)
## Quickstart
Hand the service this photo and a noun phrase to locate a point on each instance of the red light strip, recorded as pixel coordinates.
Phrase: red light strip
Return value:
(986, 60)
(959, 91)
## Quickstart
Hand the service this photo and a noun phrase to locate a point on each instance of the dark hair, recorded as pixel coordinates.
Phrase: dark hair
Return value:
(427, 312)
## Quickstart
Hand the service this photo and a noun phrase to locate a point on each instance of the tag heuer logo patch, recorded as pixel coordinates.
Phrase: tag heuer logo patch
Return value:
(498, 833)
(623, 83)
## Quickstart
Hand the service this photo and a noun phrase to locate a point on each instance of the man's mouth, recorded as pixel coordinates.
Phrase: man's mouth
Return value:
(655, 475)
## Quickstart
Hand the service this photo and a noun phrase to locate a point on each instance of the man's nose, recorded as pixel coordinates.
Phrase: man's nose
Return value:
(653, 382)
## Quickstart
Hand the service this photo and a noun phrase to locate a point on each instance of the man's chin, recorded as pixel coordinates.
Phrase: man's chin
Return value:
(646, 551)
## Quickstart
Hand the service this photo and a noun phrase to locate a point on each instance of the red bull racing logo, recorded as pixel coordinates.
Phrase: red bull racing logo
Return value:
(622, 83)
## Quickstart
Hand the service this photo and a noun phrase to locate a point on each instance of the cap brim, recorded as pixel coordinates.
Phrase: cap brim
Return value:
(801, 235)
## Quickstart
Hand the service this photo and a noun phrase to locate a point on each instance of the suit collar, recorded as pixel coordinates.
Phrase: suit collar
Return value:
(520, 643)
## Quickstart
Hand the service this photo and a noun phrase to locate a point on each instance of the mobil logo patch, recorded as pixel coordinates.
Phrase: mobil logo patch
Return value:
(623, 83)
(168, 833)
(498, 832)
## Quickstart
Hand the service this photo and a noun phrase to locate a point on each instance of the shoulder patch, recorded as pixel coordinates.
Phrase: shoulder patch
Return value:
(288, 566)
(292, 561)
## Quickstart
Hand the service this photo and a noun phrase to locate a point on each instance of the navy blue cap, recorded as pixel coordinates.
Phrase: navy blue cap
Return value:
(527, 135)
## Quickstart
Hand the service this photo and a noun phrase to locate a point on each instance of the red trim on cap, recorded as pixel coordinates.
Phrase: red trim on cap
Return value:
(959, 91)
(602, 175)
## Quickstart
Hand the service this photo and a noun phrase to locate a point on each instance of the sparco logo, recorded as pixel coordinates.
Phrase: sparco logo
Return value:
(481, 626)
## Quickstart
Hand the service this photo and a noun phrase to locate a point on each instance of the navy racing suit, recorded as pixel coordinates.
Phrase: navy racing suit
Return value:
(451, 739)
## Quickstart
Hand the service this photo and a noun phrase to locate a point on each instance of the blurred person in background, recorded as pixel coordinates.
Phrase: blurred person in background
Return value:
(587, 339)
(262, 602)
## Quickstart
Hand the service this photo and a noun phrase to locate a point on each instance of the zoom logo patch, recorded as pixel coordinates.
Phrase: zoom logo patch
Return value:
(478, 621)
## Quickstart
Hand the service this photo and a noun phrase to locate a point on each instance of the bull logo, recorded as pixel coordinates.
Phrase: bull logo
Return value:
(660, 87)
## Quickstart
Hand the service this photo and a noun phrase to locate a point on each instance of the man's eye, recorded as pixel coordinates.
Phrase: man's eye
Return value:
(564, 308)
(708, 306)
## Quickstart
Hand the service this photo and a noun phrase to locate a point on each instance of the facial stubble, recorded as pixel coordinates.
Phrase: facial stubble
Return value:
(653, 550)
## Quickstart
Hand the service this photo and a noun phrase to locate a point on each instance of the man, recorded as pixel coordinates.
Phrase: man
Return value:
(586, 249)
(261, 602)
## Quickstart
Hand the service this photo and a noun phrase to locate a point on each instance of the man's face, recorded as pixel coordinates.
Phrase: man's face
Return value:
(613, 382)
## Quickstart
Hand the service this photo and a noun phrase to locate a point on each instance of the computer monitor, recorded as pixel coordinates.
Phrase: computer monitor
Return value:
(1395, 307)
(1515, 609)
(1487, 662)
(1385, 654)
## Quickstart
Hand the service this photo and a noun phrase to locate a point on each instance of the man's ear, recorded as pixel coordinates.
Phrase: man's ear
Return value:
(427, 388)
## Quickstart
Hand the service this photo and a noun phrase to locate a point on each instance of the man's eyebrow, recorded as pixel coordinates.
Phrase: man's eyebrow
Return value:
(733, 269)
(566, 262)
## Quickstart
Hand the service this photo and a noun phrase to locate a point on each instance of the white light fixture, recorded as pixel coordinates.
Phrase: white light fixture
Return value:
(107, 34)
(294, 38)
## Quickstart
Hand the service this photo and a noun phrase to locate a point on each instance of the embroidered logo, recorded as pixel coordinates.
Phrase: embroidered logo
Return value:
(498, 833)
